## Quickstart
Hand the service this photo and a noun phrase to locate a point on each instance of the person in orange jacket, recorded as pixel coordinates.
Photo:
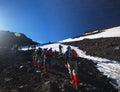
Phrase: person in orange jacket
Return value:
(71, 63)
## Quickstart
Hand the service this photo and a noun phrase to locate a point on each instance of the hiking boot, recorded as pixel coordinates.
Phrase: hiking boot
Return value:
(76, 81)
(45, 68)
(76, 87)
(71, 82)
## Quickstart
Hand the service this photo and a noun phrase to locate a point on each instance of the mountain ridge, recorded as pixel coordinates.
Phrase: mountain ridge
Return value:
(98, 30)
(106, 33)
(9, 39)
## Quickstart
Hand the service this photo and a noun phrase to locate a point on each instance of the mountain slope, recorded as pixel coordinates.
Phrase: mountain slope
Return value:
(104, 43)
(21, 75)
(106, 33)
(93, 45)
(103, 47)
(9, 39)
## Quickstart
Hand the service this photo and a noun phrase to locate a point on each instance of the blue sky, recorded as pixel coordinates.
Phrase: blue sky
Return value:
(54, 20)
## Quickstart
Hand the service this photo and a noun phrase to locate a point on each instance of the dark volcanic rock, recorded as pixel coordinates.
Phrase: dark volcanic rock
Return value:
(103, 47)
(50, 86)
(21, 76)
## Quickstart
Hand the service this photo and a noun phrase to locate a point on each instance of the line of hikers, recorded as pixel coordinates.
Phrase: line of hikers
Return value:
(43, 57)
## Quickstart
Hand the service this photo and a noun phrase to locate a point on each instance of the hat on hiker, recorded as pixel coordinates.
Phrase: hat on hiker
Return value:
(68, 47)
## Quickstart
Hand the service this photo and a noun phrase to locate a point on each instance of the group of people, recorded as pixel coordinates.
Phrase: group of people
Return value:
(43, 57)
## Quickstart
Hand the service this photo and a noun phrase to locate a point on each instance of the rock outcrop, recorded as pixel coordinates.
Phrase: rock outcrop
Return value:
(9, 39)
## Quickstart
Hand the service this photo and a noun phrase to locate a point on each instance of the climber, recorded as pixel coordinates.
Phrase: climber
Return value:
(71, 63)
(48, 59)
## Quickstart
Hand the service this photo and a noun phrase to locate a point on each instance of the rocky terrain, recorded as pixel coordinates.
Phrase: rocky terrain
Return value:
(103, 47)
(17, 74)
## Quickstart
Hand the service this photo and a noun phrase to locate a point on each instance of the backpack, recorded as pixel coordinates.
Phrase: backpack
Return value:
(73, 54)
(39, 51)
(49, 53)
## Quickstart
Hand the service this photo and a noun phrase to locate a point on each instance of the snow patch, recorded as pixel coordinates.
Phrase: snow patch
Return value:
(91, 32)
(17, 34)
(111, 32)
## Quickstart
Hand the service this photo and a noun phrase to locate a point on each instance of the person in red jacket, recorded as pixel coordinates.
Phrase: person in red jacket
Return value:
(48, 59)
(71, 63)
(37, 60)
(34, 58)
